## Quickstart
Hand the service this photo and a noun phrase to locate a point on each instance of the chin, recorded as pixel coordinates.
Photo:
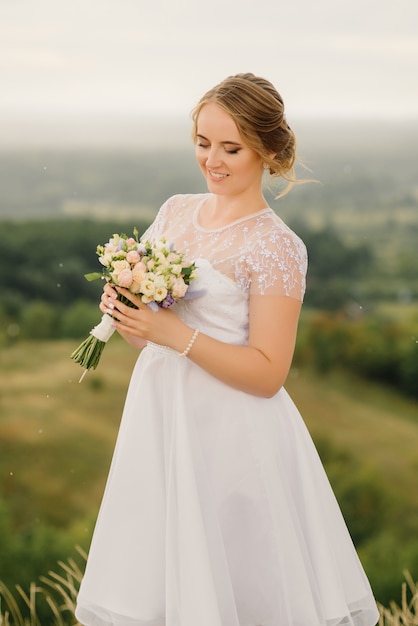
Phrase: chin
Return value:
(215, 190)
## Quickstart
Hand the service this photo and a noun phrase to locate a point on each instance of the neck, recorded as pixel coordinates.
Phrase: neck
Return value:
(219, 210)
(237, 206)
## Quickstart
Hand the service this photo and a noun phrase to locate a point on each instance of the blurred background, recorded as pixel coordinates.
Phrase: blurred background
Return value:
(95, 104)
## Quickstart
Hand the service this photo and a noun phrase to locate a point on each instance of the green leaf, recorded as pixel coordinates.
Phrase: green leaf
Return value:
(93, 276)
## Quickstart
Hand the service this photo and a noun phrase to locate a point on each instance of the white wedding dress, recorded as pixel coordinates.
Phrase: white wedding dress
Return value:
(217, 510)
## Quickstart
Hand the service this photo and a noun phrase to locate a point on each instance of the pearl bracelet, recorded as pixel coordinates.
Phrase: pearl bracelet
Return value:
(191, 342)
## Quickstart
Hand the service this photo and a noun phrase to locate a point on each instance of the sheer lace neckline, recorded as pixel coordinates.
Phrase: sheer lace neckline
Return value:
(199, 205)
(259, 252)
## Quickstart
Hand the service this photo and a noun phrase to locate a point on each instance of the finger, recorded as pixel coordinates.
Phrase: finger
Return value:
(131, 297)
(125, 309)
(124, 321)
(106, 304)
(110, 291)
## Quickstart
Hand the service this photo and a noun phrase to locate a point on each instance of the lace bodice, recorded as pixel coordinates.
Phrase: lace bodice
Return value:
(258, 252)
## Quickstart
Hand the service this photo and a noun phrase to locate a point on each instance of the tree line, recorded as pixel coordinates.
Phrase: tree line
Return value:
(44, 296)
(46, 261)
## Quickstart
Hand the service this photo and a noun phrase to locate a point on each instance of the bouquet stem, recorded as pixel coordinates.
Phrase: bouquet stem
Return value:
(89, 352)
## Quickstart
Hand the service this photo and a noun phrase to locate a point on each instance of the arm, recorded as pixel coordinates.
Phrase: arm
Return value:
(260, 368)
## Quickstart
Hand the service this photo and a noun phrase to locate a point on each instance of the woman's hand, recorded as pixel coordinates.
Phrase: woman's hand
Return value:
(107, 305)
(142, 324)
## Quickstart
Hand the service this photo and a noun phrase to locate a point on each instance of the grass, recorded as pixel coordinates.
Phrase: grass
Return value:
(405, 613)
(59, 592)
(371, 421)
(56, 431)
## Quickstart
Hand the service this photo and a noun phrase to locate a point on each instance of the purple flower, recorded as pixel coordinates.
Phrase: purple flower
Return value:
(168, 301)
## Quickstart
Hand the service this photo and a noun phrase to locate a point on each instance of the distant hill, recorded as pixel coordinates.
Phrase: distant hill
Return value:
(138, 133)
(63, 168)
(115, 170)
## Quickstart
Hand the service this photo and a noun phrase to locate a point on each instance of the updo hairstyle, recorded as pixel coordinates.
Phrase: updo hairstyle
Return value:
(258, 112)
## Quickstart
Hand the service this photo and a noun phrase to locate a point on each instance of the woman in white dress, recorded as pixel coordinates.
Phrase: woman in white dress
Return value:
(217, 510)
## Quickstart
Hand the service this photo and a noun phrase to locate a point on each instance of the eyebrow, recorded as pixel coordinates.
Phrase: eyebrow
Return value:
(230, 143)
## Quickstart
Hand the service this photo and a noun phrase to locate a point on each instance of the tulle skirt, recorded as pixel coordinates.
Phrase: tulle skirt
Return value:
(217, 512)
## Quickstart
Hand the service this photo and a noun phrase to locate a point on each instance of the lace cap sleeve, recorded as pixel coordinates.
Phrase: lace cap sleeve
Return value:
(278, 263)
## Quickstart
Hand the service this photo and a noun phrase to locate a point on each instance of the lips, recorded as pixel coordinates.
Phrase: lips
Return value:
(217, 175)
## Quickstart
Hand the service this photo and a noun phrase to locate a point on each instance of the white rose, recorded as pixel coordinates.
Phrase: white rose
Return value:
(119, 266)
(176, 269)
(105, 259)
(173, 257)
(160, 245)
(159, 281)
(160, 294)
(147, 288)
(163, 265)
(159, 257)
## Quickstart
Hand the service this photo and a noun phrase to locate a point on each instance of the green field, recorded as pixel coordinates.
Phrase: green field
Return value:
(57, 435)
(57, 438)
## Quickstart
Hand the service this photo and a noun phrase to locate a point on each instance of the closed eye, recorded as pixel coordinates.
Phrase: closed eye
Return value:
(230, 147)
(207, 145)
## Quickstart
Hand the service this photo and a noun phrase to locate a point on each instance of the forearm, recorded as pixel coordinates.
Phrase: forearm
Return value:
(259, 368)
(243, 367)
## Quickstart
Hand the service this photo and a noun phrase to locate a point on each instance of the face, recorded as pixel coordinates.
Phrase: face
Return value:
(228, 164)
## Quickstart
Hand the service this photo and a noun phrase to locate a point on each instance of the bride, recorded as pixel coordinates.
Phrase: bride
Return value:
(217, 510)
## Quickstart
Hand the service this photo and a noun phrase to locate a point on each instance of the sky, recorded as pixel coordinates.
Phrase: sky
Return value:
(139, 58)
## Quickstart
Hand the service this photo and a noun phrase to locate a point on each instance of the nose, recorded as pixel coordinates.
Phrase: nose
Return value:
(213, 158)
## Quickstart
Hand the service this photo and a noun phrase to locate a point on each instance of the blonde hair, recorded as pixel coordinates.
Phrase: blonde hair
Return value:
(258, 112)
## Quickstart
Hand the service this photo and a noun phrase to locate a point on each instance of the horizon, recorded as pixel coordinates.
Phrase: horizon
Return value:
(173, 131)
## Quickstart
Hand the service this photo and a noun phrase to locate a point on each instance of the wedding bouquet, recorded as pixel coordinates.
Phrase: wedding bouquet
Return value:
(154, 271)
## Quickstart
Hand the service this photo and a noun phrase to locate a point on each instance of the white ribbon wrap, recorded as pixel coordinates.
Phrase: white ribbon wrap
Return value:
(104, 330)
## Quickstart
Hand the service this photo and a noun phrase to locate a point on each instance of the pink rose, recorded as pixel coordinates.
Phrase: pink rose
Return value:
(135, 287)
(138, 272)
(125, 278)
(179, 288)
(132, 256)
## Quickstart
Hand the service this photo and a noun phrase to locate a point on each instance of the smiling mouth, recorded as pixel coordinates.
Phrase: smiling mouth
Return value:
(217, 175)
